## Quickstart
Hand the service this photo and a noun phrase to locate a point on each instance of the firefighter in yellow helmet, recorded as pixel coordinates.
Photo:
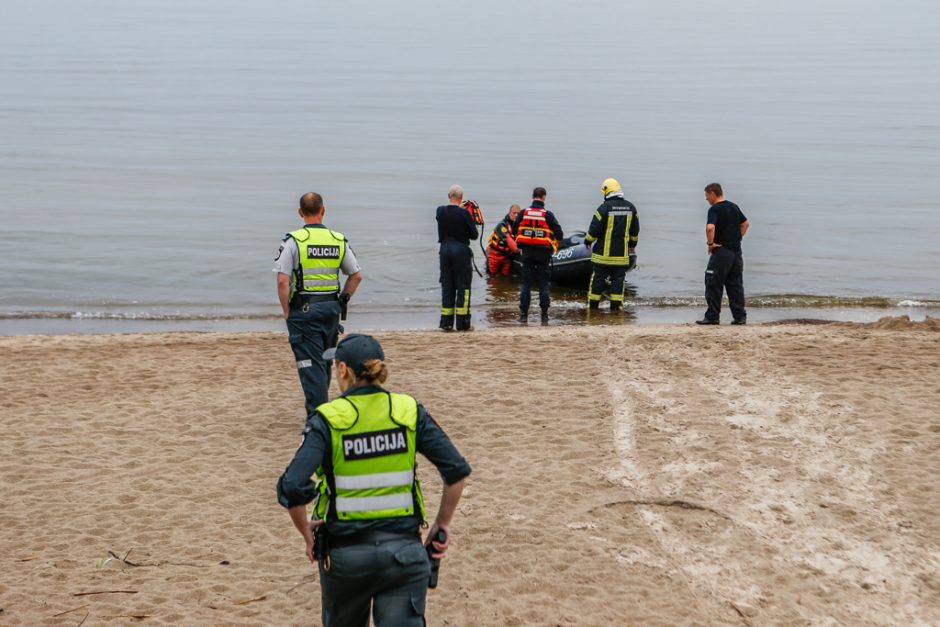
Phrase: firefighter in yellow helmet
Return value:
(613, 236)
(368, 506)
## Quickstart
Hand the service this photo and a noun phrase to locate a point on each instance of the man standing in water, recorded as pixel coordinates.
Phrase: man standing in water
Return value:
(725, 272)
(501, 245)
(455, 229)
(537, 233)
(308, 264)
(613, 236)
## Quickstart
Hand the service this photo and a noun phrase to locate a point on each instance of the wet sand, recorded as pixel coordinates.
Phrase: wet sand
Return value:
(641, 475)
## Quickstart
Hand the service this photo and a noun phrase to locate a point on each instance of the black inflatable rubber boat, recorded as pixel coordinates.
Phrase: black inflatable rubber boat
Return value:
(571, 263)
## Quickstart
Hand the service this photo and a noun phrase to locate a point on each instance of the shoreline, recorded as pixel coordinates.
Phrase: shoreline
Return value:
(486, 316)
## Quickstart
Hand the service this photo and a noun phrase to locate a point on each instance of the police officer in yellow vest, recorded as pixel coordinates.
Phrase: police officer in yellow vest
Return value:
(308, 264)
(368, 508)
(613, 234)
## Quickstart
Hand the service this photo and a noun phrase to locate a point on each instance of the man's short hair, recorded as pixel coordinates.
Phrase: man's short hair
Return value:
(311, 204)
(539, 192)
(455, 192)
(714, 188)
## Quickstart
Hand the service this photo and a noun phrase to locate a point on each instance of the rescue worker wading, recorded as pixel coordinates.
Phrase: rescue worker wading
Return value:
(537, 234)
(365, 535)
(502, 245)
(614, 233)
(455, 229)
(308, 264)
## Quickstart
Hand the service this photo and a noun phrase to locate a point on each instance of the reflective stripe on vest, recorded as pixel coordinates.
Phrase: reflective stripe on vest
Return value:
(534, 230)
(321, 252)
(371, 474)
(362, 504)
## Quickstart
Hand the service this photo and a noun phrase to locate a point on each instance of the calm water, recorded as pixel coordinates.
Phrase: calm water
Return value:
(152, 153)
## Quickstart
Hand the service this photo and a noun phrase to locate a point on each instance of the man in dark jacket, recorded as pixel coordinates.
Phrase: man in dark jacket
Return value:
(614, 233)
(723, 233)
(455, 229)
(537, 234)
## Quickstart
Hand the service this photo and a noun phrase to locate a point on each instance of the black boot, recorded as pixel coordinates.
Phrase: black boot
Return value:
(447, 323)
(463, 323)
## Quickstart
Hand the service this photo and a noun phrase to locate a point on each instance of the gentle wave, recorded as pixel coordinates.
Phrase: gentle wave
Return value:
(142, 315)
(789, 301)
(798, 301)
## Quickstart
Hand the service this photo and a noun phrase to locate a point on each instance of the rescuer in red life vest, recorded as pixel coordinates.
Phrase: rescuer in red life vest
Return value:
(537, 234)
(502, 245)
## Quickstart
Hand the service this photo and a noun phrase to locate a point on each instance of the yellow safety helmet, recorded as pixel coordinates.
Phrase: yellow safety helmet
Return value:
(610, 185)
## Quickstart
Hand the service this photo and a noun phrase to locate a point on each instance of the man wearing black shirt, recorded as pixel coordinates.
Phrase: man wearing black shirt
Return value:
(725, 272)
(455, 229)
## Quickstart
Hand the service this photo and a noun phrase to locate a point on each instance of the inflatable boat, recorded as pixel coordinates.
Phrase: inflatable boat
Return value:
(571, 263)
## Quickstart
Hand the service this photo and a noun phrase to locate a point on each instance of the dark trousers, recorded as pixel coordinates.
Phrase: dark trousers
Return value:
(600, 275)
(310, 333)
(456, 275)
(391, 577)
(725, 271)
(535, 270)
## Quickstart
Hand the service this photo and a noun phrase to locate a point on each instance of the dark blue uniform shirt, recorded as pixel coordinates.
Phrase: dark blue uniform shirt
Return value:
(455, 223)
(296, 488)
(727, 218)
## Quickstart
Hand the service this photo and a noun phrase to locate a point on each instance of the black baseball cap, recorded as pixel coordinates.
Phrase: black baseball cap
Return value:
(354, 350)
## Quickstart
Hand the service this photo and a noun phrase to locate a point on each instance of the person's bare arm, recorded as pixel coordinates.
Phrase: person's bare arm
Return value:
(445, 513)
(283, 292)
(710, 238)
(298, 515)
(352, 282)
(744, 227)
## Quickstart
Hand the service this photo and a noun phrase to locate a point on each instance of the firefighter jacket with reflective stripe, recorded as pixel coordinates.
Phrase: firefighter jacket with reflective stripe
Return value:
(371, 474)
(534, 230)
(321, 253)
(614, 229)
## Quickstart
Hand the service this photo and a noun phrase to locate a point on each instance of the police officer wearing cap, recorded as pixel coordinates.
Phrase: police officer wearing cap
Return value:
(612, 236)
(308, 264)
(368, 507)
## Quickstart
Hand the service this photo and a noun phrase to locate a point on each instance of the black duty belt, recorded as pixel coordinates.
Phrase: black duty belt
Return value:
(369, 536)
(301, 299)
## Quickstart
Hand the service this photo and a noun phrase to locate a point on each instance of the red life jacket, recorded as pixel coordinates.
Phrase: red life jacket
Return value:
(534, 230)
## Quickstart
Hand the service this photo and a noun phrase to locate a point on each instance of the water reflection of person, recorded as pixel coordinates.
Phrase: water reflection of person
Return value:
(502, 245)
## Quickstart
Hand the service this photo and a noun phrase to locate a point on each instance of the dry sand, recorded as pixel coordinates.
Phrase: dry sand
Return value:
(645, 475)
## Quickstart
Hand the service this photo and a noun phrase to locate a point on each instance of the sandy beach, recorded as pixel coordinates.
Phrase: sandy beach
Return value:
(643, 475)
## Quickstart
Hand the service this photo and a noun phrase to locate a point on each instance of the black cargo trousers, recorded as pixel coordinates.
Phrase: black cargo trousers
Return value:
(725, 272)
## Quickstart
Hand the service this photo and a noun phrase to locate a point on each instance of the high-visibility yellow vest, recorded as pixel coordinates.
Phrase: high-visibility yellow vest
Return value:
(321, 254)
(371, 474)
